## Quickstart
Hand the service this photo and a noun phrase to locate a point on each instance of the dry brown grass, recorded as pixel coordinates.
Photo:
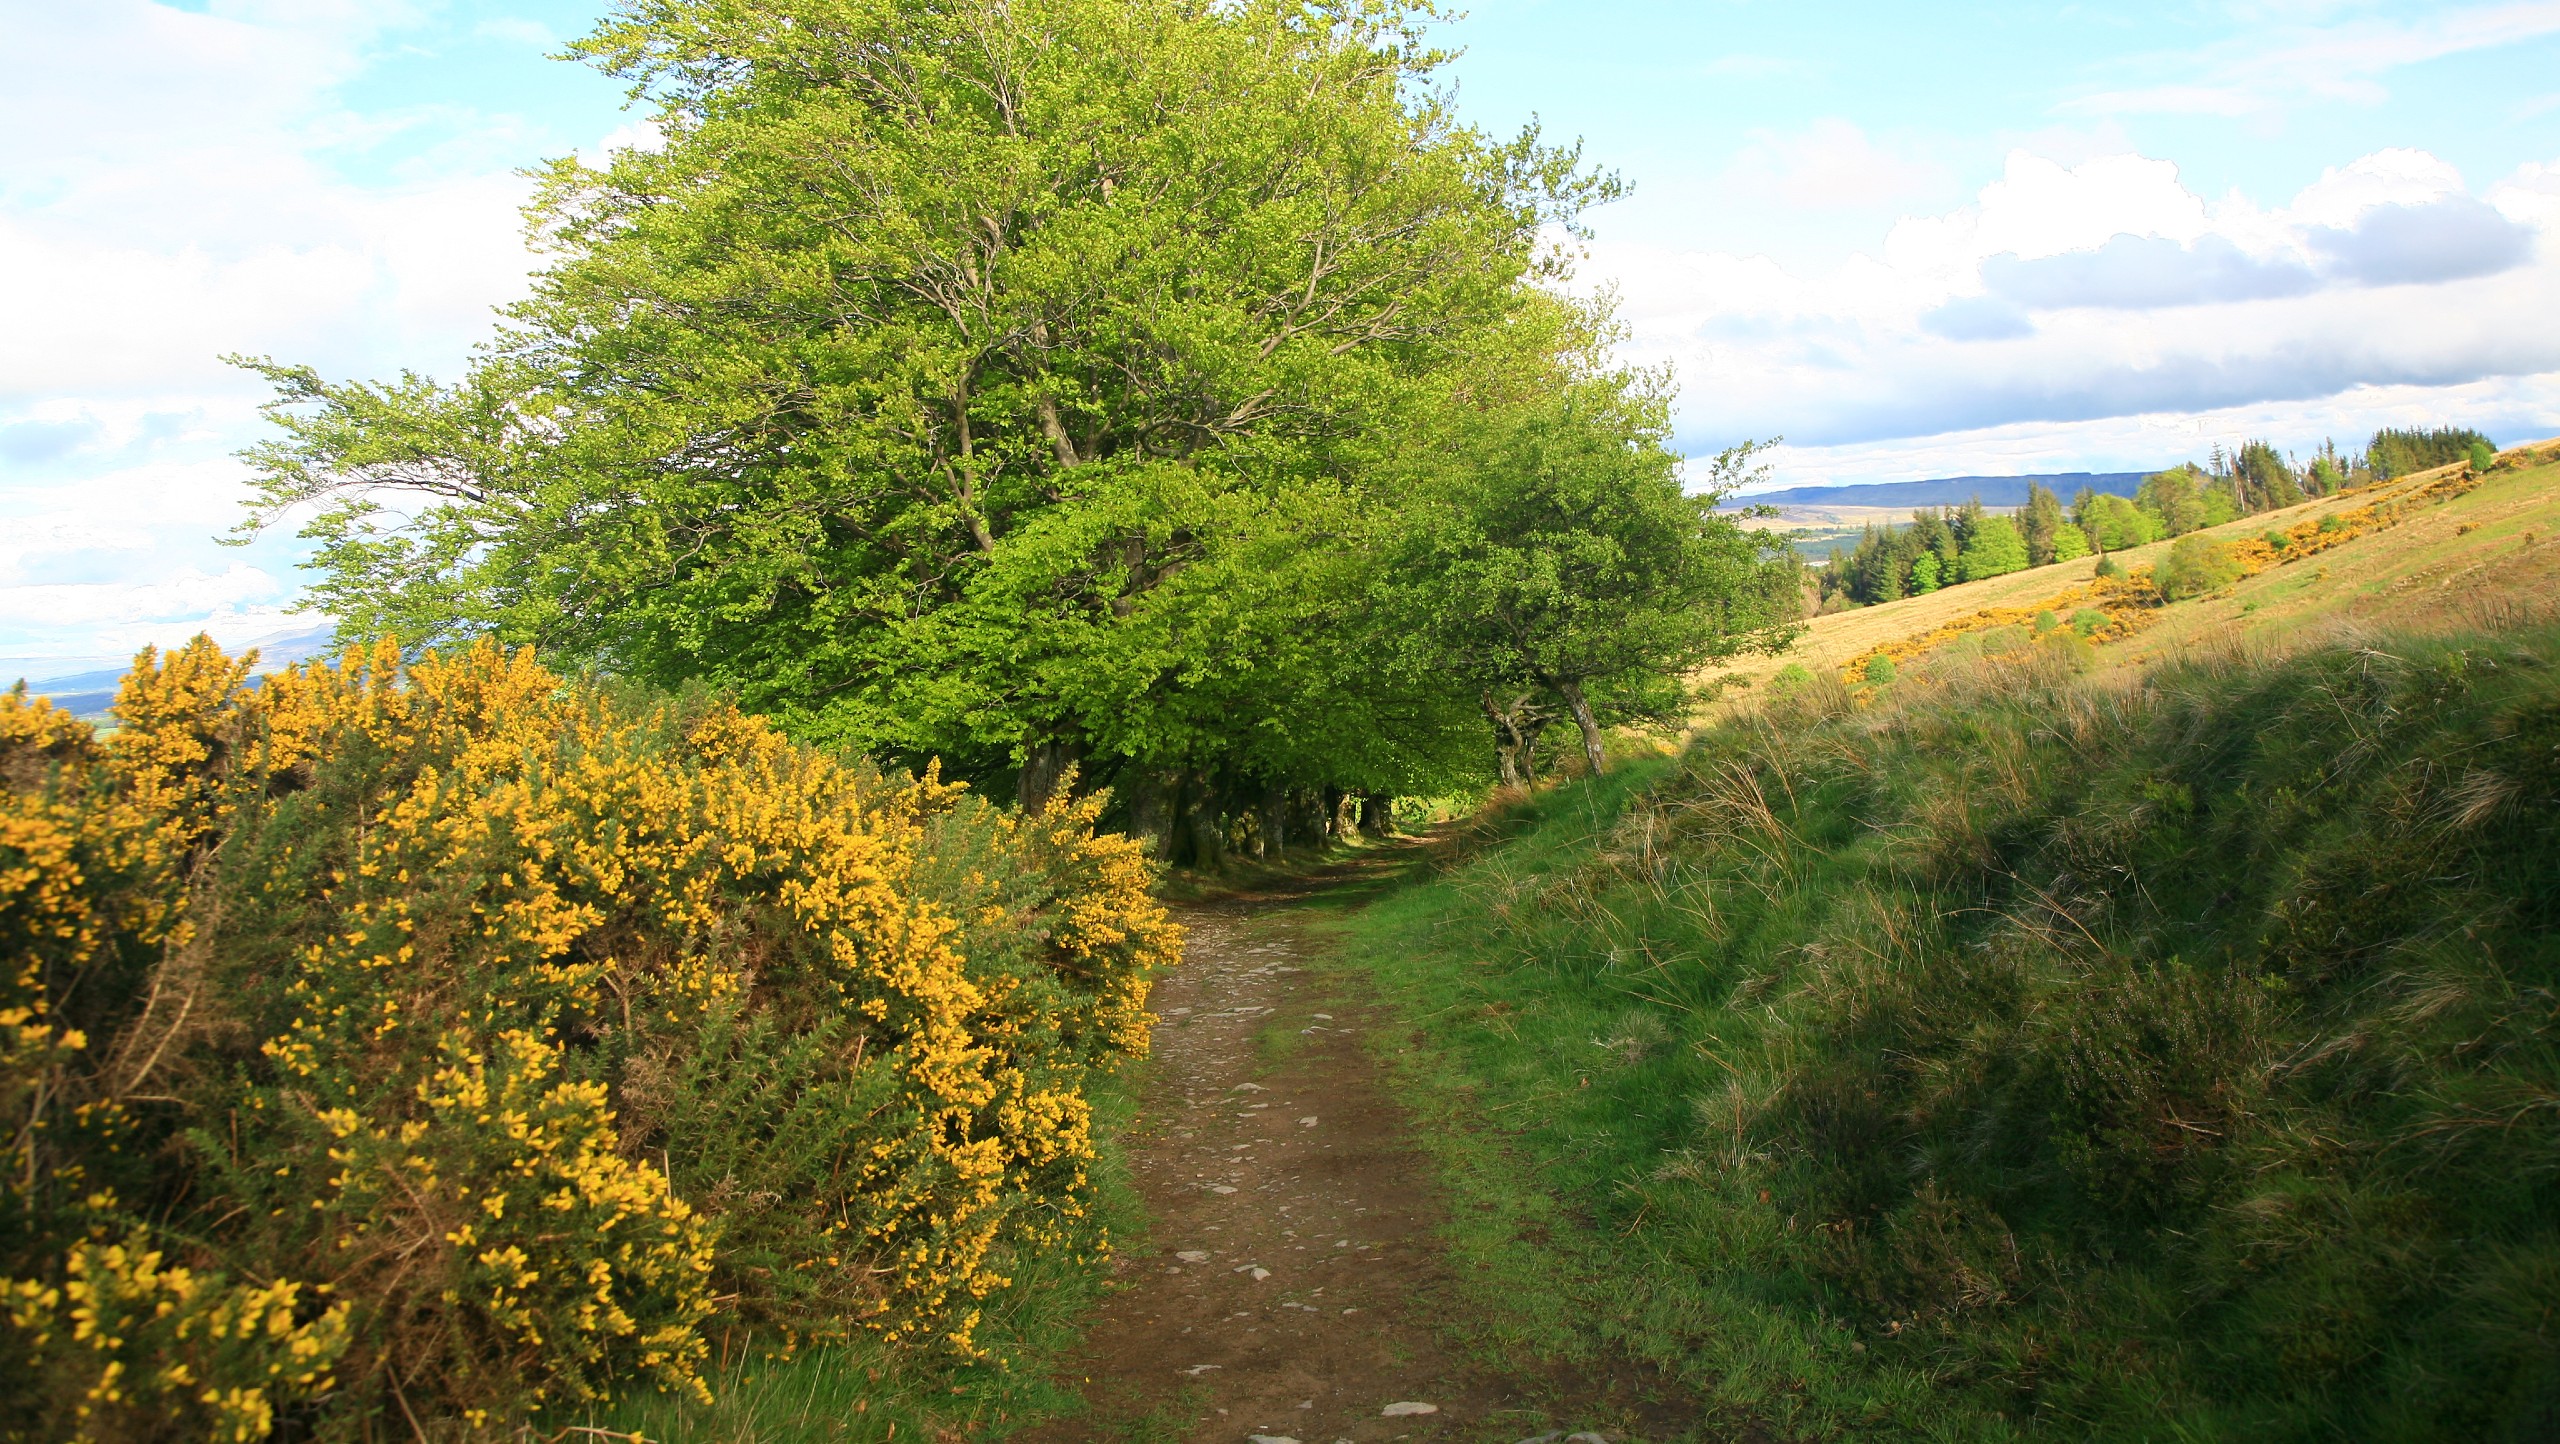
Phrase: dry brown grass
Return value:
(2488, 554)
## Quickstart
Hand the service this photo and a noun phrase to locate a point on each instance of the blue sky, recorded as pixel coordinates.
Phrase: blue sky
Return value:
(1913, 240)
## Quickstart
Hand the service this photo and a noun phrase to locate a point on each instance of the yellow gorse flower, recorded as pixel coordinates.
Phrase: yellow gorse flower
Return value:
(539, 1022)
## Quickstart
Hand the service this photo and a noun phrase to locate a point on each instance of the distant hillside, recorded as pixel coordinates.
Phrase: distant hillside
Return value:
(1951, 490)
(90, 693)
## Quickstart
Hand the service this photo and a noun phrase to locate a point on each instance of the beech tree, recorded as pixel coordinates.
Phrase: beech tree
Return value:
(1995, 549)
(1003, 382)
(1557, 553)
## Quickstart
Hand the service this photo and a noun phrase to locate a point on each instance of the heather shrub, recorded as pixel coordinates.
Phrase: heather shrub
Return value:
(437, 1047)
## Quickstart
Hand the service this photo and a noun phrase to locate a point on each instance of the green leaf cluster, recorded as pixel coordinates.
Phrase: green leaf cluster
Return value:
(1035, 384)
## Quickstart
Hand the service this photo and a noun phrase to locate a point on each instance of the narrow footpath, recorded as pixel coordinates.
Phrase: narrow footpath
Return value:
(1292, 1289)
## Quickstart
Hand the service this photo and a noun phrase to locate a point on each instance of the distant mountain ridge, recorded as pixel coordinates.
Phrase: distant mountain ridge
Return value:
(1950, 490)
(88, 694)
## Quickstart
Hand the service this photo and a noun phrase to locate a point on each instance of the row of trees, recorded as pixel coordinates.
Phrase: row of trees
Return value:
(1946, 545)
(1943, 546)
(1172, 397)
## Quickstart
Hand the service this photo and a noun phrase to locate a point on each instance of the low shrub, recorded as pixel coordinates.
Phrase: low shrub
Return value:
(2194, 566)
(436, 1047)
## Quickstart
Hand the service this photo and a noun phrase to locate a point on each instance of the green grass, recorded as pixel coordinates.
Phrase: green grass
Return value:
(860, 1391)
(2027, 1055)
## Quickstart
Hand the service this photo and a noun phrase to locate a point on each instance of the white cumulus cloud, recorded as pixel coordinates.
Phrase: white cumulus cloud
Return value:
(2072, 297)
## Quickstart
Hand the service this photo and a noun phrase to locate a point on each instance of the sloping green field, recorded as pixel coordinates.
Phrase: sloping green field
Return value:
(2497, 546)
(2157, 1045)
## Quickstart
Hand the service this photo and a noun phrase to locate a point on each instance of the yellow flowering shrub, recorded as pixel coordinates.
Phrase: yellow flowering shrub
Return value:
(515, 1025)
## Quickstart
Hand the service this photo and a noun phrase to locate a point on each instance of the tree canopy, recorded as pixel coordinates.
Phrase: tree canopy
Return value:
(1030, 384)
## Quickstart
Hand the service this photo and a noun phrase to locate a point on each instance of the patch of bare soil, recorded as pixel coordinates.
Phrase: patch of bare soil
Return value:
(1293, 1288)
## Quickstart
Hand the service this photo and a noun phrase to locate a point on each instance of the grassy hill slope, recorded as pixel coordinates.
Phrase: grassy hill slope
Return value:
(2160, 1045)
(2499, 540)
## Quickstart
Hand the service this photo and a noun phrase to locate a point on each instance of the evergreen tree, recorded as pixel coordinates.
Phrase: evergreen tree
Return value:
(2398, 453)
(2042, 523)
(2265, 481)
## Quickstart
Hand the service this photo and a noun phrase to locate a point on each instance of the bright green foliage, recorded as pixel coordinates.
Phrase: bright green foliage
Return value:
(1994, 550)
(2483, 456)
(1924, 574)
(984, 381)
(2176, 498)
(1880, 670)
(2070, 543)
(2115, 523)
(2195, 566)
(2087, 621)
(2029, 1058)
(1558, 549)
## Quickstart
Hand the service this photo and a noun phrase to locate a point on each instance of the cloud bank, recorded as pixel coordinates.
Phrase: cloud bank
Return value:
(2079, 295)
(183, 184)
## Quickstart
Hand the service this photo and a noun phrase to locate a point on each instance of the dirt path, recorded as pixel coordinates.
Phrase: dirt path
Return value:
(1293, 1288)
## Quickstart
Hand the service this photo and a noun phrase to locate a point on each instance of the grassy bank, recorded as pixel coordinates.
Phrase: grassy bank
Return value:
(2023, 1053)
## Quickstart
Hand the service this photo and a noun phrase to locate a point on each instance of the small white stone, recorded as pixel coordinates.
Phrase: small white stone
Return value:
(1221, 1188)
(1270, 1439)
(1307, 1122)
(1258, 1271)
(1406, 1408)
(1198, 1369)
(1193, 1255)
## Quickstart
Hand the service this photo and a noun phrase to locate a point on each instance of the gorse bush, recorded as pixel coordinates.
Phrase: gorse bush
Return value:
(2040, 1055)
(429, 1048)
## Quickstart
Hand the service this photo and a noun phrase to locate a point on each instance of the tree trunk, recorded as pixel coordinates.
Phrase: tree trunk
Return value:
(1150, 811)
(1275, 822)
(1582, 718)
(1201, 827)
(1047, 765)
(1377, 815)
(1506, 743)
